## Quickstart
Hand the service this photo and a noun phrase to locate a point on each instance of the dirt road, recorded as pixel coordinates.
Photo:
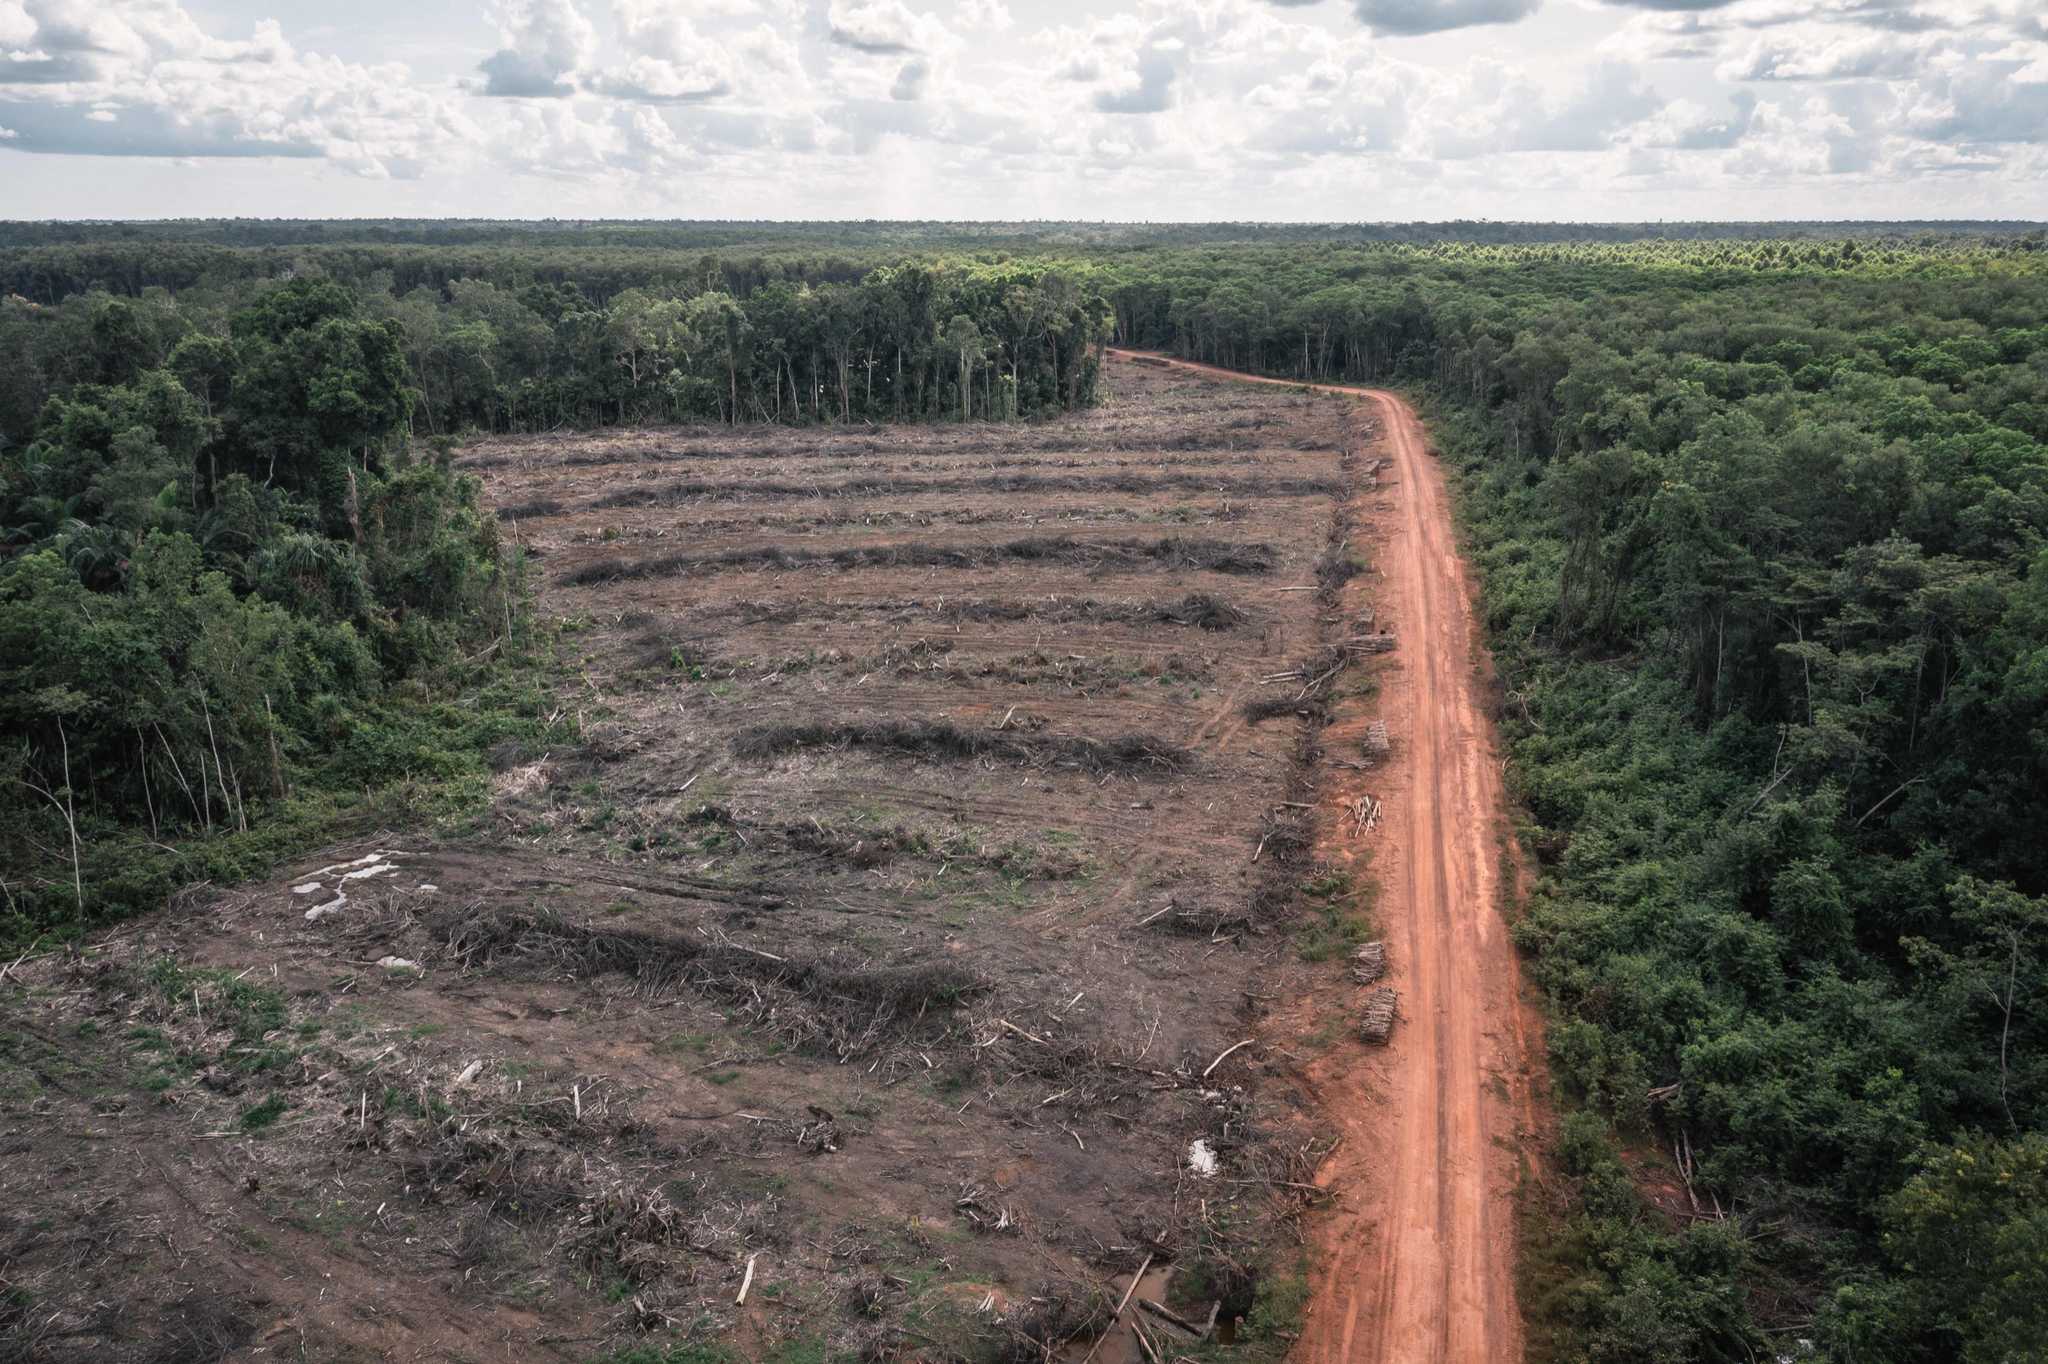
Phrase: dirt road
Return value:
(1416, 1258)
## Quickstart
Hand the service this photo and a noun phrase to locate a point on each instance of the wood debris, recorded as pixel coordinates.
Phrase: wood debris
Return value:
(1378, 1023)
(1369, 963)
(1364, 813)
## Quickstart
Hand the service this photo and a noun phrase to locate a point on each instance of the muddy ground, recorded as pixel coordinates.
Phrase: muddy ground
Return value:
(942, 817)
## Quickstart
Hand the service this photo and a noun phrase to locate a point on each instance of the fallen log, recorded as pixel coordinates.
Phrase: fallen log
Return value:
(1168, 1315)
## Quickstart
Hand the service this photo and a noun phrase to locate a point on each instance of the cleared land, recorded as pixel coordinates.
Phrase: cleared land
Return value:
(882, 947)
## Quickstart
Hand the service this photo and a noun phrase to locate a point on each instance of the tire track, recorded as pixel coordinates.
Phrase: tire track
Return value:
(1417, 1261)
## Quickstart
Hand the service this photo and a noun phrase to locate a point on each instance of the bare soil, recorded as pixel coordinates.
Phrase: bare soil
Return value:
(938, 828)
(1442, 1130)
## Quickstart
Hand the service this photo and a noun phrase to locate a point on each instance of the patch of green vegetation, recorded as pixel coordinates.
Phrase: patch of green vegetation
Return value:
(25, 1058)
(350, 1021)
(1338, 918)
(1277, 1311)
(1328, 886)
(1330, 930)
(262, 1114)
(800, 1350)
(411, 1103)
(723, 1077)
(252, 1012)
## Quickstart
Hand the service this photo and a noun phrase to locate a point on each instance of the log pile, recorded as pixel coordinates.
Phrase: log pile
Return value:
(1369, 963)
(1364, 813)
(1378, 1022)
(1371, 644)
(1377, 742)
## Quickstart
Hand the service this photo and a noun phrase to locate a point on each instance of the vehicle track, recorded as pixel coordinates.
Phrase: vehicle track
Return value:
(1417, 1256)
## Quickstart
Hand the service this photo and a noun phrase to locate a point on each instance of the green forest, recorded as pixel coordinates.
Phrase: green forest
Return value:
(1760, 519)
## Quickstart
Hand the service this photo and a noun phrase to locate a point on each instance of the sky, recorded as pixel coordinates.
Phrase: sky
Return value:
(1149, 110)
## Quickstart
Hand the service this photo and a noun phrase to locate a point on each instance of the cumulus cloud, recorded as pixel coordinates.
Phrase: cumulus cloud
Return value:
(1979, 102)
(1146, 89)
(1823, 56)
(545, 42)
(1138, 107)
(1672, 5)
(1495, 111)
(1688, 127)
(766, 52)
(910, 80)
(142, 78)
(988, 14)
(877, 27)
(1435, 16)
(670, 62)
(1718, 134)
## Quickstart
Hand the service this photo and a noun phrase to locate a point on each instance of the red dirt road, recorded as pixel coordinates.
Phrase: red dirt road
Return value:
(1416, 1257)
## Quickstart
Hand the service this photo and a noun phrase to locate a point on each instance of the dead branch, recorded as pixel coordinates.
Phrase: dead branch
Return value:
(1225, 1055)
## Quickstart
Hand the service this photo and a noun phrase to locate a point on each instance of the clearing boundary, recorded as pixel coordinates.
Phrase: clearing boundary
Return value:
(1417, 1254)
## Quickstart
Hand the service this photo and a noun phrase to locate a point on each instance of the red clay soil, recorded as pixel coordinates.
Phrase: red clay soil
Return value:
(1417, 1252)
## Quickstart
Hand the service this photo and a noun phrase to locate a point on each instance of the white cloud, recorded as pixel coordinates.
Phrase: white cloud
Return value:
(880, 27)
(670, 63)
(1685, 126)
(1434, 16)
(766, 52)
(16, 28)
(911, 80)
(1496, 111)
(993, 15)
(1809, 54)
(545, 42)
(1979, 102)
(141, 78)
(1147, 108)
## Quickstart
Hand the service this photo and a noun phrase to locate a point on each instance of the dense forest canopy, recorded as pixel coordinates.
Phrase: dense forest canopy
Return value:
(1763, 523)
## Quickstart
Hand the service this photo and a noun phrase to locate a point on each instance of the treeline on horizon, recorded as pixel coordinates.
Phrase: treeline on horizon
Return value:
(525, 338)
(945, 235)
(1763, 525)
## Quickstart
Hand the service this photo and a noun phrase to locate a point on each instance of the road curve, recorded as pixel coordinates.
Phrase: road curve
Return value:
(1417, 1254)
